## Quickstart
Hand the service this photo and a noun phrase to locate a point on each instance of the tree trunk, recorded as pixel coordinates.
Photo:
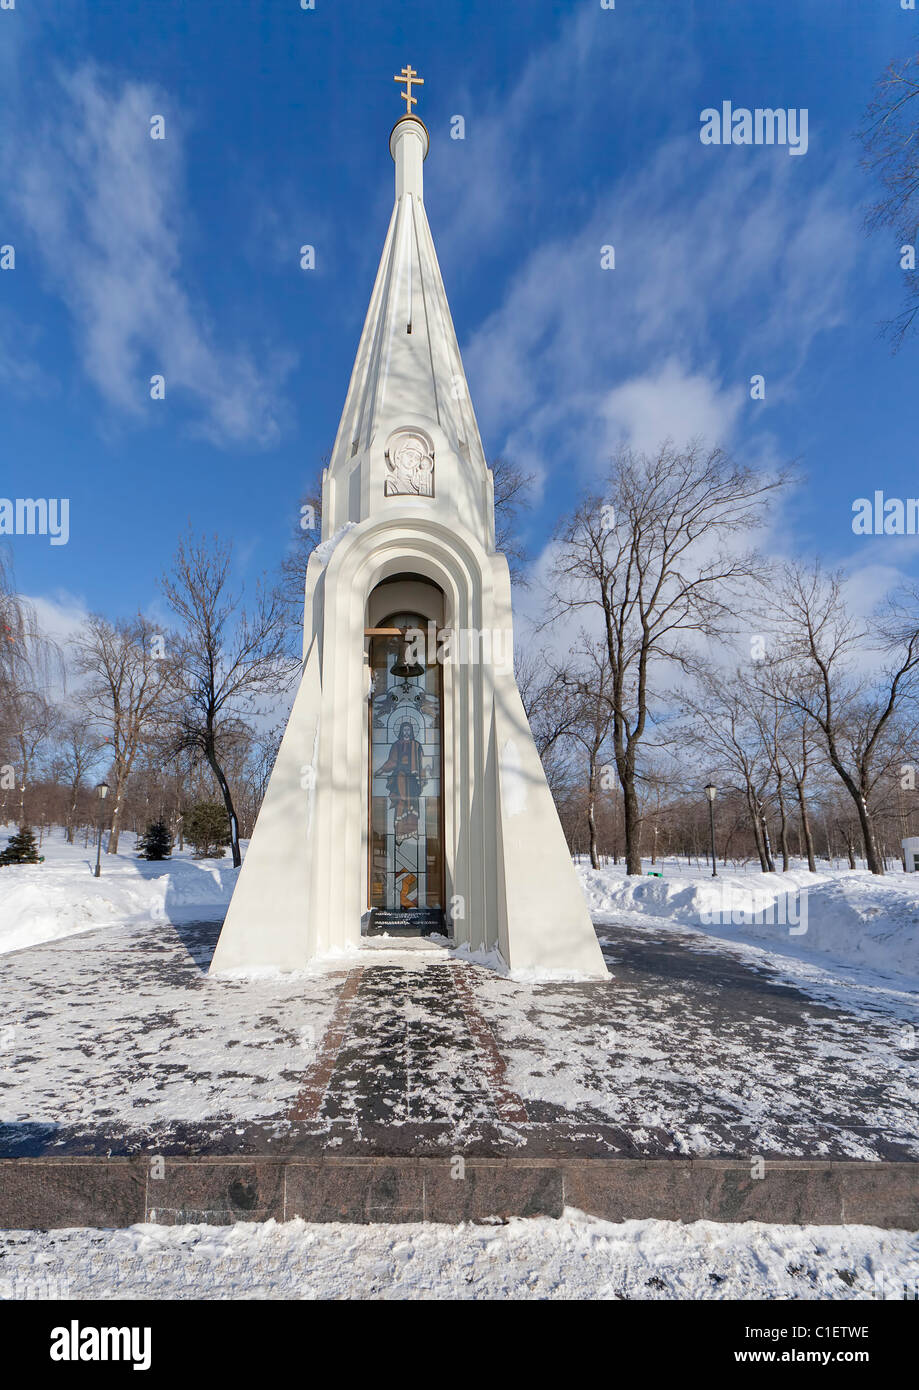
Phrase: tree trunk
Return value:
(757, 828)
(592, 822)
(872, 854)
(767, 844)
(857, 794)
(115, 828)
(632, 824)
(806, 827)
(211, 755)
(783, 823)
(847, 841)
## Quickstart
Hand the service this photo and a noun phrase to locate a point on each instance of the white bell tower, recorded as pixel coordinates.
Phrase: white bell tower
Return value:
(407, 785)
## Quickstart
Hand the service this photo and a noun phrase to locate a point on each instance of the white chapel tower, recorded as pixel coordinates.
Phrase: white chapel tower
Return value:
(407, 794)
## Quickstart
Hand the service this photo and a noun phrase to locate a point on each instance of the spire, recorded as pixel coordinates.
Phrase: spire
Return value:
(408, 145)
(408, 364)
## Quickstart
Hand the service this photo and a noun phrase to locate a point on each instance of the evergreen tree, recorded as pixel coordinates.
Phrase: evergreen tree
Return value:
(156, 841)
(21, 848)
(207, 827)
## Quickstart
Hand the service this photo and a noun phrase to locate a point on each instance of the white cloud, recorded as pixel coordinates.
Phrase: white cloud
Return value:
(669, 403)
(867, 585)
(59, 617)
(728, 263)
(103, 202)
(722, 270)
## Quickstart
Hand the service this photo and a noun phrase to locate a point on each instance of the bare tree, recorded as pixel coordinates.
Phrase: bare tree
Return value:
(777, 728)
(593, 716)
(34, 720)
(657, 559)
(11, 627)
(80, 748)
(723, 724)
(126, 692)
(852, 711)
(513, 488)
(29, 660)
(548, 703)
(227, 657)
(890, 140)
(799, 753)
(29, 664)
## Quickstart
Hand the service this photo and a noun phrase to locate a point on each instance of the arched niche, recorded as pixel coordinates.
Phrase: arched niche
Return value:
(405, 884)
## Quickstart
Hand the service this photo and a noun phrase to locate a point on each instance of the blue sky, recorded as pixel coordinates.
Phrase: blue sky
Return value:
(180, 256)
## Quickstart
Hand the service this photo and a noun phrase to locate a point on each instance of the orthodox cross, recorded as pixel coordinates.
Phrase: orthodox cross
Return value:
(408, 75)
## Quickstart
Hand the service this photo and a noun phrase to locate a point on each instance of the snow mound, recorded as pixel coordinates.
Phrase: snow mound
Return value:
(853, 917)
(574, 1257)
(41, 902)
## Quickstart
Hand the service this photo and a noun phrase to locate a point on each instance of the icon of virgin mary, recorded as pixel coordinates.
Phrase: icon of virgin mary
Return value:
(411, 466)
(405, 781)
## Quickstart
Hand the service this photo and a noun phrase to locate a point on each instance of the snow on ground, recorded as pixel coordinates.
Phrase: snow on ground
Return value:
(40, 902)
(575, 1257)
(122, 1026)
(697, 1046)
(701, 1047)
(849, 916)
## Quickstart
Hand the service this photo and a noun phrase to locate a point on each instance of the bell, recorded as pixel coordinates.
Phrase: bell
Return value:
(403, 667)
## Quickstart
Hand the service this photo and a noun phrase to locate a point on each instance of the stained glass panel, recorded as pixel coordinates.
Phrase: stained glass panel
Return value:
(406, 860)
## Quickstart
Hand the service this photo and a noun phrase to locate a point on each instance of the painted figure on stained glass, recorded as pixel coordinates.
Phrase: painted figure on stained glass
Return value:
(405, 853)
(405, 781)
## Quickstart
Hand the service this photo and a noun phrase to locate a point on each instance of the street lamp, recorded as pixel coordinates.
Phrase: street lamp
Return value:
(102, 793)
(711, 791)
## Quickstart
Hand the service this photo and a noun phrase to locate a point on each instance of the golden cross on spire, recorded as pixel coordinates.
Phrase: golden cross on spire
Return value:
(408, 75)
